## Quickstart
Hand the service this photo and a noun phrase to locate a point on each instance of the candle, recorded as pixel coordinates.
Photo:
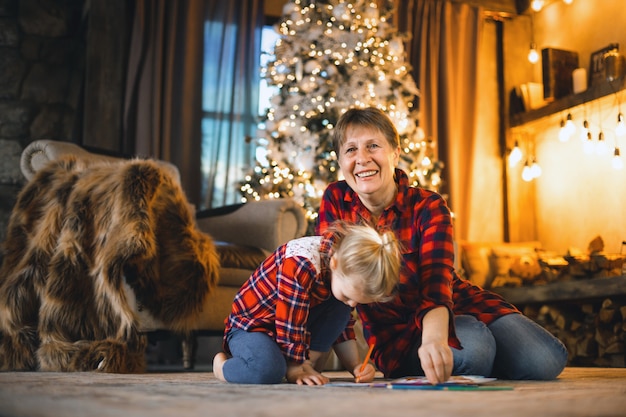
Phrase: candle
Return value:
(579, 78)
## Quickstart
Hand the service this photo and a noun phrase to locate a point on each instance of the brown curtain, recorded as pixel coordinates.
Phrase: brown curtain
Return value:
(163, 103)
(443, 51)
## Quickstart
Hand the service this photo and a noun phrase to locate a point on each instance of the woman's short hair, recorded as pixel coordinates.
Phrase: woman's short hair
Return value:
(371, 117)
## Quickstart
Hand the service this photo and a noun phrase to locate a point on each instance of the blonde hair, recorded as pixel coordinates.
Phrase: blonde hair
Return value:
(374, 258)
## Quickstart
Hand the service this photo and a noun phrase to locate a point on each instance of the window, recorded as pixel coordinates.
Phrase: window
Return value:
(268, 40)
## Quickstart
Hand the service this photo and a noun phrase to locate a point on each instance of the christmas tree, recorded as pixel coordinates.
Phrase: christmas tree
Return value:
(333, 55)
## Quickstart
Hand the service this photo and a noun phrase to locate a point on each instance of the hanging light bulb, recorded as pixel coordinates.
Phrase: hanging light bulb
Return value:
(617, 162)
(601, 147)
(535, 169)
(527, 173)
(533, 55)
(515, 156)
(620, 129)
(568, 1)
(536, 5)
(563, 134)
(568, 129)
(584, 131)
(570, 126)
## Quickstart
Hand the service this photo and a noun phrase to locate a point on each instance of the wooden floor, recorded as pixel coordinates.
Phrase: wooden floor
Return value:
(577, 392)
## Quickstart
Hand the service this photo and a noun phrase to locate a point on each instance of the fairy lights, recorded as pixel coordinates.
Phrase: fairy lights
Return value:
(331, 57)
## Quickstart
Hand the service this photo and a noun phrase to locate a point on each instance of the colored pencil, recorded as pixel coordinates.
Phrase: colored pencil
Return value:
(367, 358)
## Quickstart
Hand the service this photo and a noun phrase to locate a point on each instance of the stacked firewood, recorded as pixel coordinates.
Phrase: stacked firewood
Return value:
(594, 333)
(567, 268)
(576, 264)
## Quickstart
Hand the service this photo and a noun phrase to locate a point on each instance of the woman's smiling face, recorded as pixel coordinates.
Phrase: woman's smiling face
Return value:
(367, 161)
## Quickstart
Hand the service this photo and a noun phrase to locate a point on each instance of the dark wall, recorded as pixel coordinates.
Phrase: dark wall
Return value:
(42, 55)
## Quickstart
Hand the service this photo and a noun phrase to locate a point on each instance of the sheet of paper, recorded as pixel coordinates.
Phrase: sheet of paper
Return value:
(455, 383)
(454, 380)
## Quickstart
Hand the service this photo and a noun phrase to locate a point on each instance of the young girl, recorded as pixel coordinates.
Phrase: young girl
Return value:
(298, 303)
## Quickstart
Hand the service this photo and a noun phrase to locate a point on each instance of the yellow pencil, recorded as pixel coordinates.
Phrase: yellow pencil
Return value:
(367, 358)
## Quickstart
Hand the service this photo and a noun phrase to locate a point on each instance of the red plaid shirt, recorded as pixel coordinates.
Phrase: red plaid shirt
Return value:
(422, 223)
(277, 298)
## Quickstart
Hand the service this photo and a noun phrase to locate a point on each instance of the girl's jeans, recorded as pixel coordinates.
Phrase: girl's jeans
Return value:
(257, 358)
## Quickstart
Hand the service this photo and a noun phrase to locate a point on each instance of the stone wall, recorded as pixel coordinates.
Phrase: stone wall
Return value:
(42, 54)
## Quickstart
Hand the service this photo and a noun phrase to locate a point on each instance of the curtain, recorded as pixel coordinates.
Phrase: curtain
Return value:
(230, 97)
(162, 108)
(192, 91)
(443, 51)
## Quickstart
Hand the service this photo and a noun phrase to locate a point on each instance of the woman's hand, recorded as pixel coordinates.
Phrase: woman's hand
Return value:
(436, 360)
(368, 374)
(434, 354)
(305, 374)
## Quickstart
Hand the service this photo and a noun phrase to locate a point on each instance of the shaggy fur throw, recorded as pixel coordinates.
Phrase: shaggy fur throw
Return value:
(87, 247)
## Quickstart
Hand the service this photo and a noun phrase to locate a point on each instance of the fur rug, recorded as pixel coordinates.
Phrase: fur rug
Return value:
(89, 246)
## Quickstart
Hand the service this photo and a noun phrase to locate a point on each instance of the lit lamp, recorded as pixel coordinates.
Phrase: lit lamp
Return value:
(537, 5)
(563, 136)
(535, 169)
(527, 172)
(515, 156)
(567, 129)
(601, 147)
(617, 162)
(569, 125)
(588, 146)
(533, 55)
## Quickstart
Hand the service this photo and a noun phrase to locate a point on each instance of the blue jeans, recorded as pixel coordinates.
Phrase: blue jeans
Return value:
(512, 347)
(525, 350)
(257, 358)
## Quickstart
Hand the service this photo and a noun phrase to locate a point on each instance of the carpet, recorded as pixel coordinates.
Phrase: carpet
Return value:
(577, 392)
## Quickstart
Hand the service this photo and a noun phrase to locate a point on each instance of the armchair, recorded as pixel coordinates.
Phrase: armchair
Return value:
(244, 234)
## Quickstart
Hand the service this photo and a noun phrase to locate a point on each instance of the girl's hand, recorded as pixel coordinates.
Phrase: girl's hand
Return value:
(437, 361)
(305, 374)
(367, 375)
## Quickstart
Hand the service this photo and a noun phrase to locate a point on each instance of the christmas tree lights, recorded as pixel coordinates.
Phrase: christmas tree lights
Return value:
(333, 55)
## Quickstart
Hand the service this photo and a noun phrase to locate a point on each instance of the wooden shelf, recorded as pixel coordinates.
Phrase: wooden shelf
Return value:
(592, 93)
(580, 290)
